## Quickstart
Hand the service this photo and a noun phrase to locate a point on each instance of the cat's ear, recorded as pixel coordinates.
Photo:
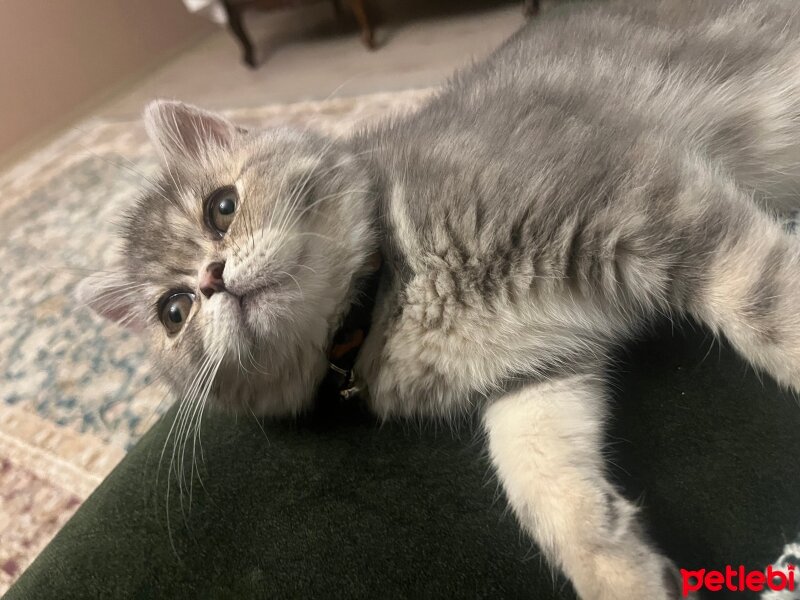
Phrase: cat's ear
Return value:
(109, 295)
(184, 131)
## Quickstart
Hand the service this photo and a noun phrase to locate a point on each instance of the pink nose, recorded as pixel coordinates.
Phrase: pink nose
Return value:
(211, 280)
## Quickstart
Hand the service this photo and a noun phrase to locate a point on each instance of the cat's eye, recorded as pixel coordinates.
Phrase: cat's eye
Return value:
(175, 310)
(221, 208)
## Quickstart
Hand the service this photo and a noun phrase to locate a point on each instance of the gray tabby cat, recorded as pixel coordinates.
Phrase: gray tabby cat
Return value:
(602, 168)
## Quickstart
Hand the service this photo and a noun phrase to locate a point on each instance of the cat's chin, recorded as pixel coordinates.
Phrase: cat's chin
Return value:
(254, 377)
(253, 386)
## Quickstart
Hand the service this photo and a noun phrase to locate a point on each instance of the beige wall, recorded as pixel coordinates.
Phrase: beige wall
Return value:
(59, 57)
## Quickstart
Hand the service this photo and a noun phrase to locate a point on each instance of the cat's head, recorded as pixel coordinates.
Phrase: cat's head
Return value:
(238, 263)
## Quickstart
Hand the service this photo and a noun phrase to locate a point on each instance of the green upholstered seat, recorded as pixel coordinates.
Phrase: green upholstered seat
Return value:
(336, 506)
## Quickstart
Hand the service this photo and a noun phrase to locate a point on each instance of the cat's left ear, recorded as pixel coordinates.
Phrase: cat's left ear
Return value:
(184, 131)
(109, 295)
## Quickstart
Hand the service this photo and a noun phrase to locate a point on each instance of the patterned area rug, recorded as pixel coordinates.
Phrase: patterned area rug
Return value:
(75, 392)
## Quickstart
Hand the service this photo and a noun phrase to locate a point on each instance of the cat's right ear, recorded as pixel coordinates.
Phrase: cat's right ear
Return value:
(109, 295)
(183, 131)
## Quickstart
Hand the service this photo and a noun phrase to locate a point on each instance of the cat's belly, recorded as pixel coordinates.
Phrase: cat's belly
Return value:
(445, 349)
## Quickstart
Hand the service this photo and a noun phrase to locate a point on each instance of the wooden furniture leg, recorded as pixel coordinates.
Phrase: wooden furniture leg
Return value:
(360, 12)
(237, 27)
(337, 9)
(530, 7)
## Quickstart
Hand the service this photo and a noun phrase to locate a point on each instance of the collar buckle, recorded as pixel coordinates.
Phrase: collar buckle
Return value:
(350, 337)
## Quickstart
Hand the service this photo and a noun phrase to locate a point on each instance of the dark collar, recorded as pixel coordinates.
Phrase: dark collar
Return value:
(350, 336)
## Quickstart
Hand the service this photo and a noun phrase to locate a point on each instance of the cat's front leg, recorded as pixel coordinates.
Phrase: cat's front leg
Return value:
(545, 441)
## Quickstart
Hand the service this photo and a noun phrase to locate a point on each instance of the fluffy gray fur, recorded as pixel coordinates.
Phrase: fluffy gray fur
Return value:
(605, 166)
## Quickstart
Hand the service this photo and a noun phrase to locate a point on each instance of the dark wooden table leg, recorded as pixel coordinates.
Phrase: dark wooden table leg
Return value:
(337, 9)
(367, 33)
(530, 7)
(235, 22)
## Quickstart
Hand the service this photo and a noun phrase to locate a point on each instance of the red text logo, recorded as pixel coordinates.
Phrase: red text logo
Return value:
(738, 580)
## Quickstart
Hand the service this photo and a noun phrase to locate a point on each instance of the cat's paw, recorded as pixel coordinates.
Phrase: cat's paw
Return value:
(654, 578)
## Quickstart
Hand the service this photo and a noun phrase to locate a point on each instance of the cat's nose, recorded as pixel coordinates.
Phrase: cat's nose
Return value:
(211, 280)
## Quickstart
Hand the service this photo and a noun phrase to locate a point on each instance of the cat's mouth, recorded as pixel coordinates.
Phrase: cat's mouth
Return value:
(252, 299)
(249, 301)
(252, 304)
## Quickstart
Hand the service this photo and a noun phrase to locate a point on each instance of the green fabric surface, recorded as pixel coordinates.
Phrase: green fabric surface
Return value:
(336, 506)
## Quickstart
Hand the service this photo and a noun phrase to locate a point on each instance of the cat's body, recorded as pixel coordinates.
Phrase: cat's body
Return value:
(567, 187)
(596, 172)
